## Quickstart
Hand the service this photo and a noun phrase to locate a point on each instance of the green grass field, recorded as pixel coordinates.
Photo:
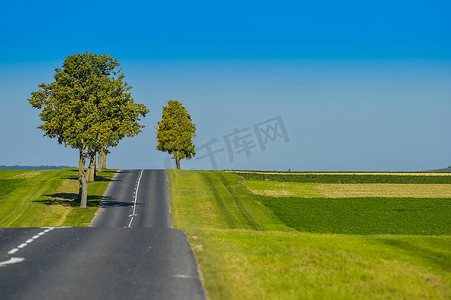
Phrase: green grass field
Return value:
(251, 246)
(47, 198)
(289, 243)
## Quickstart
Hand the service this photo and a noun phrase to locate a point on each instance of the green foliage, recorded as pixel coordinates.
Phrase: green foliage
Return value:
(425, 216)
(88, 106)
(347, 178)
(175, 132)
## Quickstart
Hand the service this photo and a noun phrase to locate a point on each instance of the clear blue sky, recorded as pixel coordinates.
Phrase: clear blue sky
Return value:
(356, 85)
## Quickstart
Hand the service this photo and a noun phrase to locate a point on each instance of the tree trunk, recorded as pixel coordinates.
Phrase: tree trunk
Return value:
(83, 184)
(92, 168)
(177, 161)
(104, 161)
(84, 192)
(94, 160)
(100, 161)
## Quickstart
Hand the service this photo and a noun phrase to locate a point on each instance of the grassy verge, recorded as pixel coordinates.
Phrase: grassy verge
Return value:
(243, 264)
(217, 200)
(47, 198)
(246, 251)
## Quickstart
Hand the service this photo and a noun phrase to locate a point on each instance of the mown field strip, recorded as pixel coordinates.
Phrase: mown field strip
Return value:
(385, 190)
(19, 203)
(47, 198)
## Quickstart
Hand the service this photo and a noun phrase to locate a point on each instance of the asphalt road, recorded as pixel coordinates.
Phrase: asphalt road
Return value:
(136, 199)
(132, 253)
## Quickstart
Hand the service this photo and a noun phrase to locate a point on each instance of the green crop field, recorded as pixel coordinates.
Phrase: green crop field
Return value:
(343, 207)
(406, 178)
(364, 215)
(307, 246)
(47, 198)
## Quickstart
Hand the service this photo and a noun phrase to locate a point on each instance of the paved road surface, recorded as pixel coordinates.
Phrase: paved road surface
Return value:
(123, 207)
(137, 256)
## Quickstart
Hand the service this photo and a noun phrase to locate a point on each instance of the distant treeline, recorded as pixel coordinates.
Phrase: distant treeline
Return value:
(33, 167)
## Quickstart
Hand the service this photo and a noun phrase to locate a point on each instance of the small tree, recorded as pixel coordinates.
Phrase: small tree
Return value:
(175, 132)
(88, 108)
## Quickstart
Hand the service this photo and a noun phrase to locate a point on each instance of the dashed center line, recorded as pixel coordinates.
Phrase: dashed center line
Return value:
(29, 241)
(136, 198)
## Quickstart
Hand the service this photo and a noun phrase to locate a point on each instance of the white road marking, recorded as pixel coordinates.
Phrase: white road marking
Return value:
(12, 260)
(184, 276)
(29, 241)
(136, 198)
(12, 251)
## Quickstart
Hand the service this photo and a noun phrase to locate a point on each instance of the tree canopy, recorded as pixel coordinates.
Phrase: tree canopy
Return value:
(88, 107)
(175, 132)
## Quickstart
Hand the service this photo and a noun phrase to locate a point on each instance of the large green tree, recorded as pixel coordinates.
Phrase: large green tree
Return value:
(88, 107)
(175, 132)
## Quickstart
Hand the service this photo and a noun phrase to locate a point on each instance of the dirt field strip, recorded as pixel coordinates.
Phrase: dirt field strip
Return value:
(333, 190)
(385, 190)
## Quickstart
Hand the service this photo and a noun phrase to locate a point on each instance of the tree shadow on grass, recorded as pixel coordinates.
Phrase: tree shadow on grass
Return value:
(100, 176)
(98, 179)
(69, 199)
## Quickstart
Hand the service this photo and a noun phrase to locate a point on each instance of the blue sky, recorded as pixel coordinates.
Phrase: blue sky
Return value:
(358, 85)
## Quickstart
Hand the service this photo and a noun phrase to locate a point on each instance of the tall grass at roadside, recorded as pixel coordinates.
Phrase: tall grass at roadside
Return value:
(246, 264)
